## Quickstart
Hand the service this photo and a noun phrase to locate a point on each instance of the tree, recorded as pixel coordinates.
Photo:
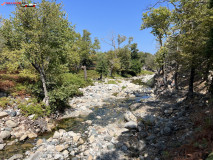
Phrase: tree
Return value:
(85, 51)
(102, 66)
(40, 33)
(159, 20)
(134, 51)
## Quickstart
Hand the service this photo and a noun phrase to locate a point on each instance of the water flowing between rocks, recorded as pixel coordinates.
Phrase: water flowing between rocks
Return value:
(110, 112)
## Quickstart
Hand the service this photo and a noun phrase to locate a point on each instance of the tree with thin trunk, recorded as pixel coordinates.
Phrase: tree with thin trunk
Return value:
(159, 20)
(42, 33)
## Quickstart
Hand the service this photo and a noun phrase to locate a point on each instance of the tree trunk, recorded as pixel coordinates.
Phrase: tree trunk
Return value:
(46, 98)
(43, 80)
(164, 74)
(101, 76)
(85, 72)
(176, 76)
(211, 88)
(191, 81)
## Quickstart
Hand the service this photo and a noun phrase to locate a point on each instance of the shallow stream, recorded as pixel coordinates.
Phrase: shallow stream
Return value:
(112, 111)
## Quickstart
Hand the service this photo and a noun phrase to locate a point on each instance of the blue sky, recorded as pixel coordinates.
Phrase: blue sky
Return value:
(104, 17)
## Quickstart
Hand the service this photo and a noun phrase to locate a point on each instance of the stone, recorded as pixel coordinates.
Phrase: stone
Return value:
(91, 139)
(32, 135)
(1, 141)
(5, 135)
(13, 113)
(89, 122)
(59, 148)
(110, 147)
(2, 146)
(98, 117)
(16, 156)
(134, 106)
(65, 153)
(108, 138)
(76, 138)
(130, 125)
(90, 157)
(56, 135)
(57, 156)
(39, 142)
(128, 116)
(23, 137)
(3, 114)
(150, 138)
(50, 126)
(11, 124)
(35, 156)
(167, 131)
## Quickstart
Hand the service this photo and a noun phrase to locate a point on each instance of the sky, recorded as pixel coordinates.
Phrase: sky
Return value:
(102, 18)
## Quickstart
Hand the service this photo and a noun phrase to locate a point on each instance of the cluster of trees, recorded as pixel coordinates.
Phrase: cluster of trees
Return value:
(126, 60)
(42, 42)
(185, 37)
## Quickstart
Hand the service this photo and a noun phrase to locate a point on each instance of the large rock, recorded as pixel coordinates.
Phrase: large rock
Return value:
(131, 125)
(2, 146)
(5, 134)
(134, 106)
(35, 156)
(32, 135)
(3, 114)
(16, 156)
(11, 124)
(56, 135)
(128, 116)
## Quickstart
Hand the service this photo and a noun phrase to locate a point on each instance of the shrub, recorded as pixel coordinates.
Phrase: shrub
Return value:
(112, 82)
(33, 107)
(5, 101)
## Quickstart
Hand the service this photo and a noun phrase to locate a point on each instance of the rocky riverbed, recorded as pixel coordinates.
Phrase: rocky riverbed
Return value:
(115, 121)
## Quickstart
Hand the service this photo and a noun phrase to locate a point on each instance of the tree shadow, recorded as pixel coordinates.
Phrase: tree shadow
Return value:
(155, 133)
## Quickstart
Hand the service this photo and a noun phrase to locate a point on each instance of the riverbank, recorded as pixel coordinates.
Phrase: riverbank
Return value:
(25, 128)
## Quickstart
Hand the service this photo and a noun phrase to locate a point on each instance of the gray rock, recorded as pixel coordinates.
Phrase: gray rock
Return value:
(1, 141)
(134, 106)
(2, 146)
(131, 125)
(108, 138)
(124, 148)
(128, 116)
(150, 138)
(167, 131)
(3, 114)
(110, 147)
(8, 129)
(16, 156)
(13, 113)
(5, 135)
(35, 156)
(11, 124)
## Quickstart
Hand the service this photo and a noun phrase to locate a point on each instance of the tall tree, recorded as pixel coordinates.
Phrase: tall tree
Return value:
(41, 33)
(159, 20)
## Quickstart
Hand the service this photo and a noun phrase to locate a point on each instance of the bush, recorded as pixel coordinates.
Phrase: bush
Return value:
(33, 107)
(111, 82)
(5, 101)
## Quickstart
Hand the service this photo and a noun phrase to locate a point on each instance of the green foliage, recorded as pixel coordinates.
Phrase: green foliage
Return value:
(32, 106)
(145, 72)
(112, 82)
(102, 67)
(135, 66)
(210, 156)
(123, 87)
(5, 101)
(115, 94)
(159, 20)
